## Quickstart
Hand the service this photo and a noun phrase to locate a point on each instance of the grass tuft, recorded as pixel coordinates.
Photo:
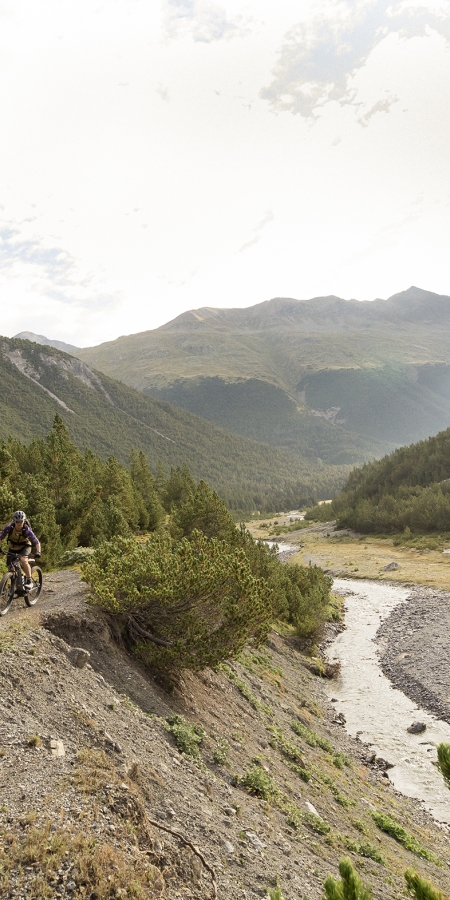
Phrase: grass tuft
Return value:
(400, 834)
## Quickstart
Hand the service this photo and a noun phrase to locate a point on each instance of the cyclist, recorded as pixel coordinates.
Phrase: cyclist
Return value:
(20, 541)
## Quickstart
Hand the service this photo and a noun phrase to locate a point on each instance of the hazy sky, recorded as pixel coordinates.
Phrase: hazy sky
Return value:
(162, 155)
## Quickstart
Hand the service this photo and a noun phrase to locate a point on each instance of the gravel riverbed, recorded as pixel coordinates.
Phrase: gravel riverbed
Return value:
(414, 646)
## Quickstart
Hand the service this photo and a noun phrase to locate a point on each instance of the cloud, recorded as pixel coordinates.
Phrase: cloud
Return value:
(162, 91)
(380, 106)
(267, 217)
(254, 240)
(319, 56)
(204, 21)
(50, 272)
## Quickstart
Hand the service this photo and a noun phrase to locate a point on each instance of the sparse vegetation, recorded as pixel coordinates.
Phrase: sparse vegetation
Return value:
(258, 781)
(188, 736)
(220, 754)
(399, 833)
(241, 685)
(96, 868)
(311, 737)
(290, 751)
(316, 823)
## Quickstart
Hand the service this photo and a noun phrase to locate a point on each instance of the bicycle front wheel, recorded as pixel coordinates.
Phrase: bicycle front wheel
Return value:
(36, 578)
(6, 592)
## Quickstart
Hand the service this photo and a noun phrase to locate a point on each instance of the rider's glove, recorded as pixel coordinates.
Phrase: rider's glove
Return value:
(37, 555)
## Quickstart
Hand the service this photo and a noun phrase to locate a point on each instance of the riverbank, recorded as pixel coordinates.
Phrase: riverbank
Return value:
(373, 709)
(414, 646)
(345, 554)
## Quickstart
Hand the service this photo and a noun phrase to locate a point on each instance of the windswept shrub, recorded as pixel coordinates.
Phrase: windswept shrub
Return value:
(190, 605)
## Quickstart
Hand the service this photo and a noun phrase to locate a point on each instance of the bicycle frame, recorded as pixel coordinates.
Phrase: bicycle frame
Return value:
(16, 569)
(12, 584)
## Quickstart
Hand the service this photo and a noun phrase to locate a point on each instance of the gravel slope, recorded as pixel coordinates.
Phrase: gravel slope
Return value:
(110, 802)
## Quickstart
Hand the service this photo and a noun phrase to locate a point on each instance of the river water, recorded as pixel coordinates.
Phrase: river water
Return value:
(377, 712)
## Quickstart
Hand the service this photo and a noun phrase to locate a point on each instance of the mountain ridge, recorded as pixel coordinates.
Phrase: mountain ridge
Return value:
(377, 370)
(45, 341)
(110, 418)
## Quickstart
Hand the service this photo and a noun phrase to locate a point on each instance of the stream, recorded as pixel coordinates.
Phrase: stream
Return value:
(374, 710)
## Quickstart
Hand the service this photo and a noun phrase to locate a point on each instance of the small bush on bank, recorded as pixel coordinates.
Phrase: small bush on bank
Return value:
(421, 889)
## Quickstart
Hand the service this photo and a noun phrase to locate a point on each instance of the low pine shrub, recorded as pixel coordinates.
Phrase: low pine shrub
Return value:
(421, 889)
(349, 887)
(443, 752)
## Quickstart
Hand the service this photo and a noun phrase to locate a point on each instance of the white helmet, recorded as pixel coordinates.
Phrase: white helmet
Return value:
(19, 516)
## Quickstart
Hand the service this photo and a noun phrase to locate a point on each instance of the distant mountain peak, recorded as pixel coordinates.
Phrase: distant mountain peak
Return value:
(418, 294)
(45, 341)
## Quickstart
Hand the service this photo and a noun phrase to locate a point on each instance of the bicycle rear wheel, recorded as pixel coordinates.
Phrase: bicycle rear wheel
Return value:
(36, 577)
(7, 585)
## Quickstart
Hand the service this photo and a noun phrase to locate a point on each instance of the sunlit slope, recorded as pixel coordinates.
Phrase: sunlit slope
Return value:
(112, 418)
(378, 371)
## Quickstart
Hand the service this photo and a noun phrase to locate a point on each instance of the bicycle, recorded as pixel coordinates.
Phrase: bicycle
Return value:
(13, 583)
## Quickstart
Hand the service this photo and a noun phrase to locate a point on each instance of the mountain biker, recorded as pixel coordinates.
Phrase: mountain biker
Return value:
(20, 541)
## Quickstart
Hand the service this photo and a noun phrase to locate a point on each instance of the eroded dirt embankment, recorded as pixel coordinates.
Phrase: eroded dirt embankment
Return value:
(111, 801)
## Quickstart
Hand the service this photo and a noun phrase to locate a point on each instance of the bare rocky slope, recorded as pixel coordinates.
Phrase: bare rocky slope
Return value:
(98, 801)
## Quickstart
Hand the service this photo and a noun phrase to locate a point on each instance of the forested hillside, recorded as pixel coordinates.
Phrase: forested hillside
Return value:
(409, 489)
(196, 563)
(108, 417)
(337, 379)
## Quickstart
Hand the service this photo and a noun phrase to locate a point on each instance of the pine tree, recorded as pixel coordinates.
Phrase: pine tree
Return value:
(145, 485)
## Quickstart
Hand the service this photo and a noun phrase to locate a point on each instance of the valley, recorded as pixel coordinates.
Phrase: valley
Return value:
(110, 418)
(341, 380)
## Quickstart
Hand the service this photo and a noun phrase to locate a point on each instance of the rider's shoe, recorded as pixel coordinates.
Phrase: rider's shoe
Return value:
(28, 584)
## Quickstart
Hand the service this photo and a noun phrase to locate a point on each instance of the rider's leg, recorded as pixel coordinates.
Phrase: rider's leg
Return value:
(25, 566)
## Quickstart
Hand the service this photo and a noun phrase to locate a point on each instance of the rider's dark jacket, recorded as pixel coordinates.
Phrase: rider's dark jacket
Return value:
(18, 540)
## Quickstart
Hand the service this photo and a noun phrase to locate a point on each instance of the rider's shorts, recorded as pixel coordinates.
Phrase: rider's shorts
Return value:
(24, 551)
